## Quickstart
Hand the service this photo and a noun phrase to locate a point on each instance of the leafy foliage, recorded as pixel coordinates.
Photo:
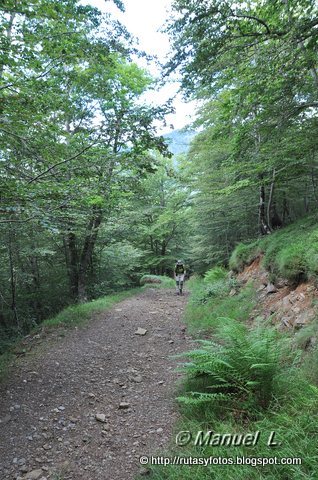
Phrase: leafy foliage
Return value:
(245, 380)
(157, 281)
(290, 253)
(253, 166)
(242, 368)
(75, 143)
(216, 273)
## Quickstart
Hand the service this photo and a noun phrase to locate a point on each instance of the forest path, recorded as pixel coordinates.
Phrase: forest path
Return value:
(48, 407)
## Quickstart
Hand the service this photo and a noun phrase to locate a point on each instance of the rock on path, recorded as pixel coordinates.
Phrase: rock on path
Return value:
(87, 405)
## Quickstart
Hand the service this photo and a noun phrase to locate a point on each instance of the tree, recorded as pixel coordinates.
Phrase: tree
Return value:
(73, 131)
(253, 65)
(156, 217)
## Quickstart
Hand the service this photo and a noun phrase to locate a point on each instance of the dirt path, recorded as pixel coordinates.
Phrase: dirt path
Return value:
(48, 407)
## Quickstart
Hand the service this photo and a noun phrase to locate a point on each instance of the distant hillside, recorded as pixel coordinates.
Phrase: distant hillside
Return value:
(179, 141)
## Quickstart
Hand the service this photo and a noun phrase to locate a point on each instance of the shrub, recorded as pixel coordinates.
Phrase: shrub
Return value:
(216, 284)
(215, 274)
(291, 262)
(241, 368)
(157, 281)
(243, 255)
(216, 289)
(149, 279)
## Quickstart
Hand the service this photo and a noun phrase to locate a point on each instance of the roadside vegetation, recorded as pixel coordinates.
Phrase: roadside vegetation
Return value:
(71, 317)
(243, 379)
(157, 281)
(92, 202)
(290, 253)
(211, 302)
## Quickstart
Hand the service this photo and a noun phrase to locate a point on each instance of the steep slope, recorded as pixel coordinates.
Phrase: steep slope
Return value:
(284, 303)
(284, 270)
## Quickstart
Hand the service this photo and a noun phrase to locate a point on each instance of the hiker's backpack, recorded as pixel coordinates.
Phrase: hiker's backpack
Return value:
(179, 269)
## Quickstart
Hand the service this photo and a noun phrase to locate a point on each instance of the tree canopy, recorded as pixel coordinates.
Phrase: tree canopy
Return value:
(75, 139)
(253, 66)
(90, 198)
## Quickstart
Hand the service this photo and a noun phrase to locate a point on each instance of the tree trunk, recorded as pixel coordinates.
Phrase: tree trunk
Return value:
(71, 255)
(36, 281)
(163, 248)
(286, 214)
(314, 184)
(270, 201)
(151, 244)
(87, 252)
(263, 225)
(79, 264)
(13, 282)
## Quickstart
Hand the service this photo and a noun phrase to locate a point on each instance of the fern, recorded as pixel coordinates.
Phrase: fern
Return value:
(243, 367)
(215, 274)
(199, 398)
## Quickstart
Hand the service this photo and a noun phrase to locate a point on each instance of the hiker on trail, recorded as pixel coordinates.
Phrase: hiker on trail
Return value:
(179, 274)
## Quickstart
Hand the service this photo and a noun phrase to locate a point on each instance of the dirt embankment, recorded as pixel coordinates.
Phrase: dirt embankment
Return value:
(292, 307)
(87, 406)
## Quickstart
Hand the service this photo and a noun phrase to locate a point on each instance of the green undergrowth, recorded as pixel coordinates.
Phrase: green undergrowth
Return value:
(291, 252)
(80, 314)
(70, 317)
(240, 380)
(157, 281)
(5, 361)
(211, 302)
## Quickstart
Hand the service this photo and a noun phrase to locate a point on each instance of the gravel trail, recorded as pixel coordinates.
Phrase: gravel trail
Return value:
(86, 404)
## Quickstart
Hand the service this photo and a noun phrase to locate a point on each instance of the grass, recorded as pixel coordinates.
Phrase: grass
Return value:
(162, 281)
(291, 252)
(6, 360)
(242, 381)
(295, 427)
(80, 314)
(243, 255)
(72, 316)
(206, 312)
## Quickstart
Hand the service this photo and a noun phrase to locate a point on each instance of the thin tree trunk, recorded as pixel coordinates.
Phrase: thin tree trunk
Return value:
(163, 248)
(13, 282)
(286, 214)
(87, 252)
(151, 244)
(71, 255)
(263, 226)
(306, 200)
(35, 272)
(314, 184)
(270, 201)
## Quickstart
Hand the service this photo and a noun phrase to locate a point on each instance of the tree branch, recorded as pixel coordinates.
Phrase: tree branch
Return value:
(252, 17)
(42, 75)
(40, 175)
